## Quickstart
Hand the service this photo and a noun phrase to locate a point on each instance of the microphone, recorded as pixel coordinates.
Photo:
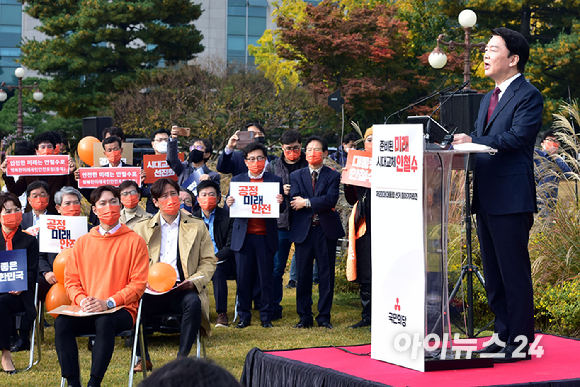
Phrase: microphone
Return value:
(447, 138)
(463, 85)
(420, 100)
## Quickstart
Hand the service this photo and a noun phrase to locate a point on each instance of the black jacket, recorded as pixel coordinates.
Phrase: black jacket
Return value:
(222, 230)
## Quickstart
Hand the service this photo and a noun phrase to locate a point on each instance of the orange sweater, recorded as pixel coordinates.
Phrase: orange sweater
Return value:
(114, 265)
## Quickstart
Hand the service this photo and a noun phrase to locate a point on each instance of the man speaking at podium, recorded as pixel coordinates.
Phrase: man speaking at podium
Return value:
(504, 193)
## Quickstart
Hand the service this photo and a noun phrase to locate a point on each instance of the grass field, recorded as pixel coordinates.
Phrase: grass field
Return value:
(227, 346)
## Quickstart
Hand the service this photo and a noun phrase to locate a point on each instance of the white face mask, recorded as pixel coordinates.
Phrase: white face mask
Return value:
(161, 147)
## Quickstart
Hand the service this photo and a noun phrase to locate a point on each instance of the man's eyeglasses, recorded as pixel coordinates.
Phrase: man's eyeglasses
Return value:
(128, 193)
(254, 159)
(199, 148)
(161, 140)
(292, 148)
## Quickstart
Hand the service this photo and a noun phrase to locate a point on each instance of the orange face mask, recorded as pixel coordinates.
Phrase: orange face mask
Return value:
(130, 201)
(207, 203)
(44, 152)
(114, 156)
(109, 214)
(368, 146)
(314, 157)
(170, 205)
(12, 221)
(71, 210)
(57, 150)
(256, 167)
(39, 203)
(292, 155)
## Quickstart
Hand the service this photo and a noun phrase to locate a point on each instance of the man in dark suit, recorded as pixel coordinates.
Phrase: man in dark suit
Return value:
(255, 241)
(504, 193)
(315, 230)
(219, 224)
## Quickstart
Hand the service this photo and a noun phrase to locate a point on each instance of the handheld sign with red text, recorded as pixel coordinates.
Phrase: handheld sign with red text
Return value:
(254, 200)
(36, 165)
(60, 232)
(96, 177)
(156, 167)
(358, 169)
(13, 271)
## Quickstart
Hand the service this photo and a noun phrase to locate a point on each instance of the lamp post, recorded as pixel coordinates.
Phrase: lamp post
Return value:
(19, 72)
(438, 59)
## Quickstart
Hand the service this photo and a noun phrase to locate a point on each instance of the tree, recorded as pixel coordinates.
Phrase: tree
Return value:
(33, 117)
(214, 105)
(98, 47)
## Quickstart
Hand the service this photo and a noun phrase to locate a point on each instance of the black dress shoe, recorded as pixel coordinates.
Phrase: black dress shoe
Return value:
(365, 322)
(243, 324)
(11, 372)
(291, 285)
(325, 324)
(303, 324)
(492, 348)
(510, 355)
(267, 324)
(276, 315)
(20, 345)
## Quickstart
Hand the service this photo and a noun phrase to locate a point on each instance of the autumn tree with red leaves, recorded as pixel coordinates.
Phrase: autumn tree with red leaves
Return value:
(364, 52)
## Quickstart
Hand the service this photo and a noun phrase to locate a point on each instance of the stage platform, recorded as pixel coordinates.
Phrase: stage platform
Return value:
(333, 367)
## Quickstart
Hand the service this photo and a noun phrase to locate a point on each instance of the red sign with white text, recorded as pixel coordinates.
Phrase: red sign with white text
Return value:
(156, 167)
(37, 165)
(96, 177)
(357, 169)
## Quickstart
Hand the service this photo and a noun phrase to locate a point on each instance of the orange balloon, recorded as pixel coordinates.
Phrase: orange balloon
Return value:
(162, 277)
(85, 149)
(58, 265)
(56, 297)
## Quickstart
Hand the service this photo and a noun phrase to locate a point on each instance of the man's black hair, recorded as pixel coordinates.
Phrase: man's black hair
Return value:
(516, 45)
(290, 136)
(255, 146)
(114, 131)
(112, 139)
(209, 183)
(257, 125)
(97, 192)
(158, 131)
(321, 140)
(24, 148)
(191, 373)
(129, 183)
(206, 144)
(36, 185)
(351, 136)
(44, 137)
(159, 186)
(550, 133)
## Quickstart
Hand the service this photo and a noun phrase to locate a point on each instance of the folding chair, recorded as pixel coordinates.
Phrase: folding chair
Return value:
(138, 334)
(200, 343)
(35, 333)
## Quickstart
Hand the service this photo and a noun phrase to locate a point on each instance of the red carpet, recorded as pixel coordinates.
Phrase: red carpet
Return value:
(559, 362)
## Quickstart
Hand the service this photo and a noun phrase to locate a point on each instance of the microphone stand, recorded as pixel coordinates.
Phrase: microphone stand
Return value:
(419, 101)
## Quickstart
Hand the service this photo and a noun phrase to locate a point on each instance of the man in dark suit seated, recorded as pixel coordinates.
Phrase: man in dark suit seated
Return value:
(504, 192)
(219, 224)
(255, 241)
(315, 230)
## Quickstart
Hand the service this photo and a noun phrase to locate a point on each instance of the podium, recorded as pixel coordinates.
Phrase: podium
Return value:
(410, 314)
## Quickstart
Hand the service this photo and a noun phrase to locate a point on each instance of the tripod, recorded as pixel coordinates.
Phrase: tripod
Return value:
(469, 269)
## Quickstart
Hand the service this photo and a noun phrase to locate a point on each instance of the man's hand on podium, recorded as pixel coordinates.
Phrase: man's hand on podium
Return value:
(461, 139)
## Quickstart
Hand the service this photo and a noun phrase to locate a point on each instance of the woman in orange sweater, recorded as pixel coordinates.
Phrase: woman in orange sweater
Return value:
(107, 268)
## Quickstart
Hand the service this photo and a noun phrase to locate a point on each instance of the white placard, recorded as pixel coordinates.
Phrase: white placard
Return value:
(254, 200)
(60, 232)
(398, 282)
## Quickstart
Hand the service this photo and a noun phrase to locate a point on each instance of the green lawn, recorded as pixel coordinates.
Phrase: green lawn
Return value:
(227, 346)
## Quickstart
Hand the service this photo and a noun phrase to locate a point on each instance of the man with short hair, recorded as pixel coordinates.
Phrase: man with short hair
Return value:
(44, 144)
(193, 170)
(255, 241)
(132, 213)
(182, 241)
(231, 161)
(113, 131)
(348, 143)
(316, 228)
(115, 277)
(504, 190)
(292, 159)
(113, 147)
(38, 197)
(187, 199)
(220, 226)
(159, 140)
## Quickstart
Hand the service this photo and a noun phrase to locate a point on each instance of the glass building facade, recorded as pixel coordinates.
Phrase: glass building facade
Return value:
(10, 34)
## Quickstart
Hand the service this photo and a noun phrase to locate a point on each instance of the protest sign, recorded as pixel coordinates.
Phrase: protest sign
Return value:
(13, 271)
(357, 170)
(60, 232)
(156, 167)
(36, 165)
(96, 177)
(254, 200)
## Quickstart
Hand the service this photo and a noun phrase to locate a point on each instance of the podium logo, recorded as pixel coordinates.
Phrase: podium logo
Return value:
(398, 318)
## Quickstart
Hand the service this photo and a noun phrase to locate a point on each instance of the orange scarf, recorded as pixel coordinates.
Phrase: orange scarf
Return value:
(8, 238)
(354, 232)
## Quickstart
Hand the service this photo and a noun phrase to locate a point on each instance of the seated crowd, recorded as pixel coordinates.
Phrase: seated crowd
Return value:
(183, 223)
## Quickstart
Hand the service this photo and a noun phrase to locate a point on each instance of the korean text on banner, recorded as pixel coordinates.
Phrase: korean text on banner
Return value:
(13, 271)
(358, 169)
(60, 232)
(156, 167)
(36, 165)
(95, 177)
(254, 200)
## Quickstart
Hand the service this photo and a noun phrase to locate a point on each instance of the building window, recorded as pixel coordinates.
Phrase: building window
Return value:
(247, 20)
(10, 37)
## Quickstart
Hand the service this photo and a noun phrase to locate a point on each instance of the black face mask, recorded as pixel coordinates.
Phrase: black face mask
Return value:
(195, 156)
(261, 139)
